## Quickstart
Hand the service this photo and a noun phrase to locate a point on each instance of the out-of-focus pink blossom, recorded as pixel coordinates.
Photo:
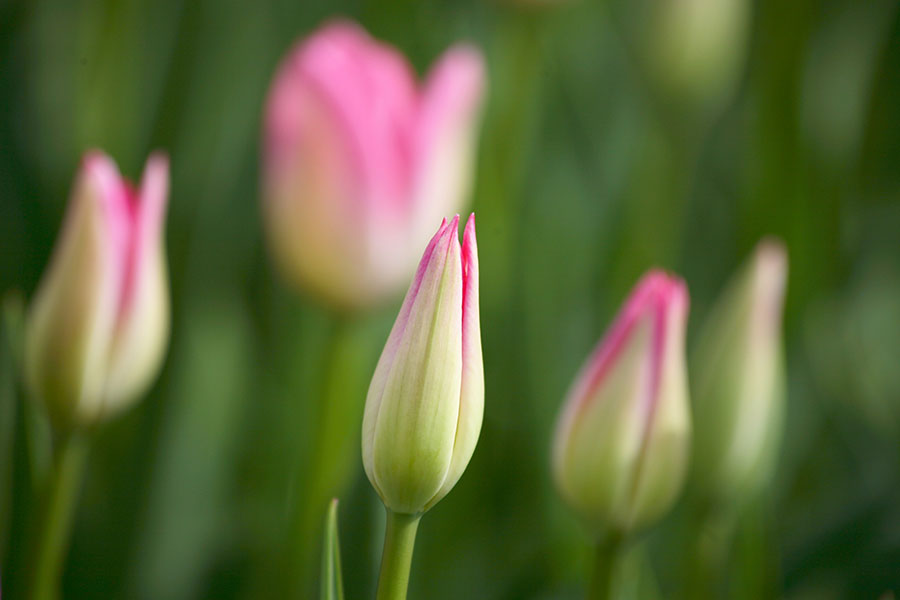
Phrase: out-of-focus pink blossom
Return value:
(623, 437)
(359, 160)
(98, 327)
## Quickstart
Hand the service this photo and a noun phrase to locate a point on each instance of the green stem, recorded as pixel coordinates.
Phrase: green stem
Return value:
(708, 553)
(329, 460)
(58, 509)
(605, 559)
(396, 558)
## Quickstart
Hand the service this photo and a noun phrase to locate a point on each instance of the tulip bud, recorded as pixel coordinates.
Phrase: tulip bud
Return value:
(738, 380)
(426, 400)
(622, 440)
(98, 326)
(358, 162)
(697, 47)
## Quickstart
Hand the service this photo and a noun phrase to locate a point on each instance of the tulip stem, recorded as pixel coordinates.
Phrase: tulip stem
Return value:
(57, 510)
(708, 554)
(606, 556)
(396, 558)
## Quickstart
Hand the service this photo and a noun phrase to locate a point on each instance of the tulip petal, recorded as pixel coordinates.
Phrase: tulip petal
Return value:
(311, 178)
(600, 451)
(664, 457)
(471, 401)
(620, 449)
(382, 369)
(417, 418)
(142, 328)
(370, 87)
(738, 383)
(72, 317)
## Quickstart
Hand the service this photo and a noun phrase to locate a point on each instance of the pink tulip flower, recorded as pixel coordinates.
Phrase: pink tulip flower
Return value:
(359, 161)
(97, 329)
(622, 441)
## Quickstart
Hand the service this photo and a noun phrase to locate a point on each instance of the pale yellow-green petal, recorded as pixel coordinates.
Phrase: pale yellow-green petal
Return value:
(416, 422)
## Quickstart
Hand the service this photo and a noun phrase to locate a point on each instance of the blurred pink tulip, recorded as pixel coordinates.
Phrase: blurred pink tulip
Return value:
(359, 162)
(622, 441)
(98, 326)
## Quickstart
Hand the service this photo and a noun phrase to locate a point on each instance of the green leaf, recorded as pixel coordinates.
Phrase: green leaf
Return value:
(10, 366)
(332, 585)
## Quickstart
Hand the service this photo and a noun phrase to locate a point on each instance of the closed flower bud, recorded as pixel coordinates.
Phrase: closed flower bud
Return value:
(697, 47)
(426, 400)
(98, 326)
(359, 162)
(622, 441)
(738, 380)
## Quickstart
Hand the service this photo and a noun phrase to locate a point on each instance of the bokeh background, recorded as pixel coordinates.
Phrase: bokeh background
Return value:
(605, 150)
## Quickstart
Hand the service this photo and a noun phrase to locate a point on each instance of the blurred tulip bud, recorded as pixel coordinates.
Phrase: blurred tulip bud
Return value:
(98, 326)
(738, 380)
(622, 441)
(697, 47)
(425, 403)
(359, 163)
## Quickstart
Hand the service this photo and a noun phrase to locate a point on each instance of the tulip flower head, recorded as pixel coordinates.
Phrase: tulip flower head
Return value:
(359, 161)
(738, 376)
(697, 47)
(426, 400)
(98, 326)
(622, 441)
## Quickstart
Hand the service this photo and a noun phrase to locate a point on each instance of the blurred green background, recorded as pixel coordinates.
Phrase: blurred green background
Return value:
(602, 153)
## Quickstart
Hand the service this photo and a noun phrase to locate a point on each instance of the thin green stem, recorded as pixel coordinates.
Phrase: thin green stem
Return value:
(334, 447)
(602, 576)
(396, 558)
(57, 509)
(708, 553)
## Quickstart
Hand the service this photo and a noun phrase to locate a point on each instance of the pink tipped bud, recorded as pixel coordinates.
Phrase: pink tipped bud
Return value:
(622, 440)
(98, 326)
(359, 161)
(426, 400)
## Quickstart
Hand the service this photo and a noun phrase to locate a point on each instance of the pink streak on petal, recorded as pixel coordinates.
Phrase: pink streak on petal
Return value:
(453, 245)
(114, 197)
(153, 195)
(399, 328)
(426, 258)
(117, 209)
(149, 207)
(669, 301)
(650, 297)
(454, 226)
(470, 280)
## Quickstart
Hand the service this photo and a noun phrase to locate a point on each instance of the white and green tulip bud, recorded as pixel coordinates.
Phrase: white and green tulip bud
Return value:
(697, 48)
(426, 400)
(622, 441)
(98, 327)
(738, 381)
